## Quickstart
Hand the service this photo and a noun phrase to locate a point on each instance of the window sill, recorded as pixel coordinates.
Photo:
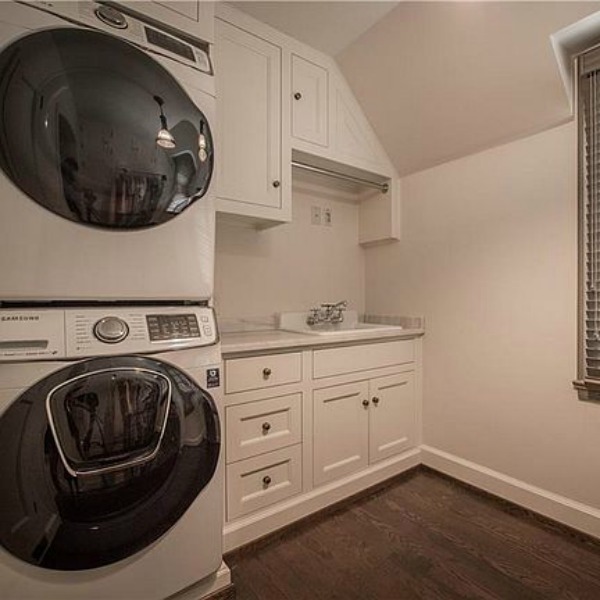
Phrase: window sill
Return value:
(587, 390)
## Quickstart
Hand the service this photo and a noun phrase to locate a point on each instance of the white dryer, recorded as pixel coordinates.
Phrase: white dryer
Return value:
(106, 157)
(112, 484)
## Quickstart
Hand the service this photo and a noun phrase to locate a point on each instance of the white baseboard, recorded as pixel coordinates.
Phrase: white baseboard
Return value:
(257, 525)
(559, 508)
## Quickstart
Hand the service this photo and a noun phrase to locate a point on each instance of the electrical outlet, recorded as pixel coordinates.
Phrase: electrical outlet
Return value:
(315, 215)
(327, 217)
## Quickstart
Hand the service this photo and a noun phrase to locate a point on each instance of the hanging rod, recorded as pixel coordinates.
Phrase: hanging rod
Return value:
(383, 187)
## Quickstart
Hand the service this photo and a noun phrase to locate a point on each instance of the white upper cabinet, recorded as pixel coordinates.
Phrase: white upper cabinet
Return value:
(281, 101)
(248, 77)
(353, 140)
(310, 101)
(194, 17)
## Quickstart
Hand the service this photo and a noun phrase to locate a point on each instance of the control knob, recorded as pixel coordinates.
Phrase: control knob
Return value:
(111, 16)
(111, 330)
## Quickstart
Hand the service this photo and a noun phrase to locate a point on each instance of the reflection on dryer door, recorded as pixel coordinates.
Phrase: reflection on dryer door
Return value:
(110, 139)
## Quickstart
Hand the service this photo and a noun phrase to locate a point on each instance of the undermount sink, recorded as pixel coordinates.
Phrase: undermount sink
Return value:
(296, 323)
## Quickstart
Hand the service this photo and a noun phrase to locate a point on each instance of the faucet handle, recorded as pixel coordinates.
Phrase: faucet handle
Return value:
(337, 311)
(313, 317)
(340, 304)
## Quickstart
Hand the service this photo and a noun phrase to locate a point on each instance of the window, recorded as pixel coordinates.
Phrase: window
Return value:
(588, 95)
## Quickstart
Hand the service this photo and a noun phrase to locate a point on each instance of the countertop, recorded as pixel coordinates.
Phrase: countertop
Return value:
(277, 339)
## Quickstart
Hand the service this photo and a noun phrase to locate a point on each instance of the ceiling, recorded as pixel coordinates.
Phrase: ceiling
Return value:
(326, 26)
(440, 80)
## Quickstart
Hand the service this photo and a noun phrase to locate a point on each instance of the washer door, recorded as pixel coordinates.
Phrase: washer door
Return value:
(80, 116)
(100, 459)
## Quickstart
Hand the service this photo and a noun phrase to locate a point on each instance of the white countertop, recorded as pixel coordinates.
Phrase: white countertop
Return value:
(277, 339)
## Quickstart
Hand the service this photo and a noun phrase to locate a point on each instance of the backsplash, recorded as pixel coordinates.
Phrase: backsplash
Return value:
(266, 323)
(294, 266)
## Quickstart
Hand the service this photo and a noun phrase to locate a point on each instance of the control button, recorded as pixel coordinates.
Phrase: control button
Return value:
(207, 330)
(204, 319)
(111, 330)
(111, 17)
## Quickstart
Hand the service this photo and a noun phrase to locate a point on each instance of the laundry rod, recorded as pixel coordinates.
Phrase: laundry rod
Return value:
(383, 187)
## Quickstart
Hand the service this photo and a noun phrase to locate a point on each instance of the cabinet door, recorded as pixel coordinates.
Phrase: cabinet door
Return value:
(340, 431)
(392, 415)
(309, 101)
(248, 77)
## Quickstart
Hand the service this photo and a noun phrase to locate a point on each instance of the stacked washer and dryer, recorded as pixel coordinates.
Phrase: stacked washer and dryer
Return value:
(110, 470)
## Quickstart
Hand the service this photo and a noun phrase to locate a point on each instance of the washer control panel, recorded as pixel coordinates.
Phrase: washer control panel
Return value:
(167, 327)
(39, 334)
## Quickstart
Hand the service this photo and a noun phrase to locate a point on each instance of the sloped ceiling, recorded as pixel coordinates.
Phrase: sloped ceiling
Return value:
(327, 26)
(440, 80)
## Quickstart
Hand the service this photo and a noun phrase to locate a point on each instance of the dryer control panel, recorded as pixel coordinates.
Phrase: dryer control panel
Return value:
(42, 334)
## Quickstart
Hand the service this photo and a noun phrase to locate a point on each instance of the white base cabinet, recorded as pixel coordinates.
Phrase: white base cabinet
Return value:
(260, 481)
(306, 428)
(340, 430)
(392, 415)
(357, 424)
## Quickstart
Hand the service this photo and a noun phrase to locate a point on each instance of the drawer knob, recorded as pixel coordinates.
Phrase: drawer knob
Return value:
(297, 95)
(365, 402)
(276, 183)
(266, 480)
(266, 426)
(266, 372)
(375, 400)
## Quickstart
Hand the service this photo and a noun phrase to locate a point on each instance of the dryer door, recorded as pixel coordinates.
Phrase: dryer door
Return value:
(100, 459)
(96, 131)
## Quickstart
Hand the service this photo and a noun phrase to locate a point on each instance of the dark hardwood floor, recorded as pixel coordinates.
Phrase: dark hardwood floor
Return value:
(423, 537)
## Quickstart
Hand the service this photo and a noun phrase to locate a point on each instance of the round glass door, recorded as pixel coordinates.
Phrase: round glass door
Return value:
(100, 459)
(96, 131)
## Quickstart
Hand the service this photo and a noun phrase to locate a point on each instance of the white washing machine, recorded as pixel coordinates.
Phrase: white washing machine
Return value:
(106, 157)
(112, 484)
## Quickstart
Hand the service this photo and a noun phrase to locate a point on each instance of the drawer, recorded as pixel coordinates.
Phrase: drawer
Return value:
(256, 372)
(262, 426)
(349, 359)
(258, 482)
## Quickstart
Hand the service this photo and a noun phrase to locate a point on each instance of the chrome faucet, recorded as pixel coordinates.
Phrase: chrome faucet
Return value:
(327, 312)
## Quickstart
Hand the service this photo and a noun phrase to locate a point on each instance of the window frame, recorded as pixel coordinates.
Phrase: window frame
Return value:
(588, 387)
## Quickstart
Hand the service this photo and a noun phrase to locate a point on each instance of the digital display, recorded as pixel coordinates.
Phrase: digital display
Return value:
(168, 43)
(172, 327)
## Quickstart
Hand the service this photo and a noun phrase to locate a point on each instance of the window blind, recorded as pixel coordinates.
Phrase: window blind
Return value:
(588, 94)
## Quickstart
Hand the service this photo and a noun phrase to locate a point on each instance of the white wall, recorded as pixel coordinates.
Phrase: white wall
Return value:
(489, 257)
(294, 266)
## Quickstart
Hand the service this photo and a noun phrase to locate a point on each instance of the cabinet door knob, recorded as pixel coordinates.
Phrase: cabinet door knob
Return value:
(266, 372)
(266, 480)
(266, 426)
(375, 400)
(276, 183)
(297, 95)
(365, 402)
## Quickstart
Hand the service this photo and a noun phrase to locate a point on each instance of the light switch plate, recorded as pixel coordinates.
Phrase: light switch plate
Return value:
(315, 215)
